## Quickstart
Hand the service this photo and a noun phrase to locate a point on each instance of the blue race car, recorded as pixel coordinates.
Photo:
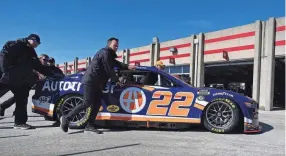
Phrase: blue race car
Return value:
(149, 98)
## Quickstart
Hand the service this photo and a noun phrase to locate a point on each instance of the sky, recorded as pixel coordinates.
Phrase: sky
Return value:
(70, 28)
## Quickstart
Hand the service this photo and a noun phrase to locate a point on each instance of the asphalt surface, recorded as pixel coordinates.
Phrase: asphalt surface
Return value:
(51, 141)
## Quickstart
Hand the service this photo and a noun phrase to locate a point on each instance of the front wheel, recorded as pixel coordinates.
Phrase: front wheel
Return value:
(221, 116)
(68, 103)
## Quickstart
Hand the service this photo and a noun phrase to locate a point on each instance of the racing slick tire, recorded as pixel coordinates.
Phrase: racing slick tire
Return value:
(66, 104)
(221, 116)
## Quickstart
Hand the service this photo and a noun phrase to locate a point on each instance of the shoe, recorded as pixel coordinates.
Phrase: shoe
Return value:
(22, 126)
(92, 129)
(56, 124)
(2, 111)
(64, 124)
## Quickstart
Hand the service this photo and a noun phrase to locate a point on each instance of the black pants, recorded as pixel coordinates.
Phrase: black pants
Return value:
(21, 94)
(91, 97)
(8, 103)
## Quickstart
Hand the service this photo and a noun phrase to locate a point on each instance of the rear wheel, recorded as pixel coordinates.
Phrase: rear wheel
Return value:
(221, 116)
(68, 103)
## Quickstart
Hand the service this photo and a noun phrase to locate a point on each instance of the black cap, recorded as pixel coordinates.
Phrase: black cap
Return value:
(34, 37)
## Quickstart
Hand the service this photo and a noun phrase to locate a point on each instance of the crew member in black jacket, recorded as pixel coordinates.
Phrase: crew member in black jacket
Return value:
(44, 59)
(98, 72)
(18, 59)
(53, 66)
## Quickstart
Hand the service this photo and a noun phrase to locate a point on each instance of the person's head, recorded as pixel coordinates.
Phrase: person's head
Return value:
(113, 43)
(44, 58)
(51, 61)
(160, 65)
(34, 40)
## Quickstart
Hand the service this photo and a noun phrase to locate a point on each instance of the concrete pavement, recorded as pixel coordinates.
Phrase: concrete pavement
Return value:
(46, 140)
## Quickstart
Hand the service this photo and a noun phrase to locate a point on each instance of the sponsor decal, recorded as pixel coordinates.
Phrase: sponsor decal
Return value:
(203, 92)
(61, 86)
(201, 98)
(113, 108)
(44, 99)
(222, 94)
(132, 100)
(109, 89)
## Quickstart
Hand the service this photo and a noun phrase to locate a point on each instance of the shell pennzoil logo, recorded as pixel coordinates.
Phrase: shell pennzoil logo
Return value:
(113, 108)
(132, 100)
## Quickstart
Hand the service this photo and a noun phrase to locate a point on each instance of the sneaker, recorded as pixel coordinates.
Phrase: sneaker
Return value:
(2, 111)
(64, 124)
(56, 124)
(22, 126)
(92, 129)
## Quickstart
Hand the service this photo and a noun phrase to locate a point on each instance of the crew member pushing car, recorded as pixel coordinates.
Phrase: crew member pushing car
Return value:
(98, 72)
(35, 77)
(18, 59)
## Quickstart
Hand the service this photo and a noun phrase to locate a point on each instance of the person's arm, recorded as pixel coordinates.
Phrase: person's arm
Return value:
(45, 70)
(109, 63)
(121, 65)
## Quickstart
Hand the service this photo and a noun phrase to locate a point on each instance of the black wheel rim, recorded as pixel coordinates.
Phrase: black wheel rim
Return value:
(69, 104)
(219, 114)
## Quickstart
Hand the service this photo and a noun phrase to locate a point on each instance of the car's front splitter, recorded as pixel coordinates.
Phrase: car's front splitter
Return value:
(252, 126)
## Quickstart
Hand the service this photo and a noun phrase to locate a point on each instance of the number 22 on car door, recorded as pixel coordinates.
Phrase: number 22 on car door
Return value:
(179, 107)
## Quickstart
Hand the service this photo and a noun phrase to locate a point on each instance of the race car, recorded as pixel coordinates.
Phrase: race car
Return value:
(149, 98)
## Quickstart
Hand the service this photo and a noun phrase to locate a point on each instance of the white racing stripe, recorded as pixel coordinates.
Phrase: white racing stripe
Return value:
(204, 103)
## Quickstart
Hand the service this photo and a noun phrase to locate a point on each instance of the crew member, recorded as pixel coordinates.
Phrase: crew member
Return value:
(52, 64)
(17, 61)
(94, 79)
(35, 77)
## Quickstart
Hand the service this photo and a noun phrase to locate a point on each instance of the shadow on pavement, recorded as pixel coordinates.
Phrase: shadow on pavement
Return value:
(6, 127)
(103, 149)
(193, 128)
(28, 121)
(13, 136)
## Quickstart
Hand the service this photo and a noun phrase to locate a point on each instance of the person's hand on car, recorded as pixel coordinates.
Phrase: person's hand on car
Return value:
(131, 67)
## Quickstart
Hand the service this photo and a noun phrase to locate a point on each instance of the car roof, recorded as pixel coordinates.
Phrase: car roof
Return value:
(142, 68)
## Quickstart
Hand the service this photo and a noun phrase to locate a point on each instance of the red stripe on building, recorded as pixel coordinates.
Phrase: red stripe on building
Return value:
(142, 60)
(175, 56)
(80, 63)
(119, 56)
(280, 43)
(281, 28)
(230, 37)
(177, 46)
(140, 53)
(230, 49)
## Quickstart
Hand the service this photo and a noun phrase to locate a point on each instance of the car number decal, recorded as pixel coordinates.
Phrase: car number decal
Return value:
(178, 108)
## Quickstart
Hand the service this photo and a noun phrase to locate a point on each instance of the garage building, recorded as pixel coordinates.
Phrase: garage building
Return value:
(249, 59)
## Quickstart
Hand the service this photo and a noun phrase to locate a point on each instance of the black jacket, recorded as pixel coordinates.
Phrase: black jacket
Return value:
(101, 68)
(17, 61)
(57, 70)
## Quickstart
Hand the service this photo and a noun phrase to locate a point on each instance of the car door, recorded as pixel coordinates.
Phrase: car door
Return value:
(170, 99)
